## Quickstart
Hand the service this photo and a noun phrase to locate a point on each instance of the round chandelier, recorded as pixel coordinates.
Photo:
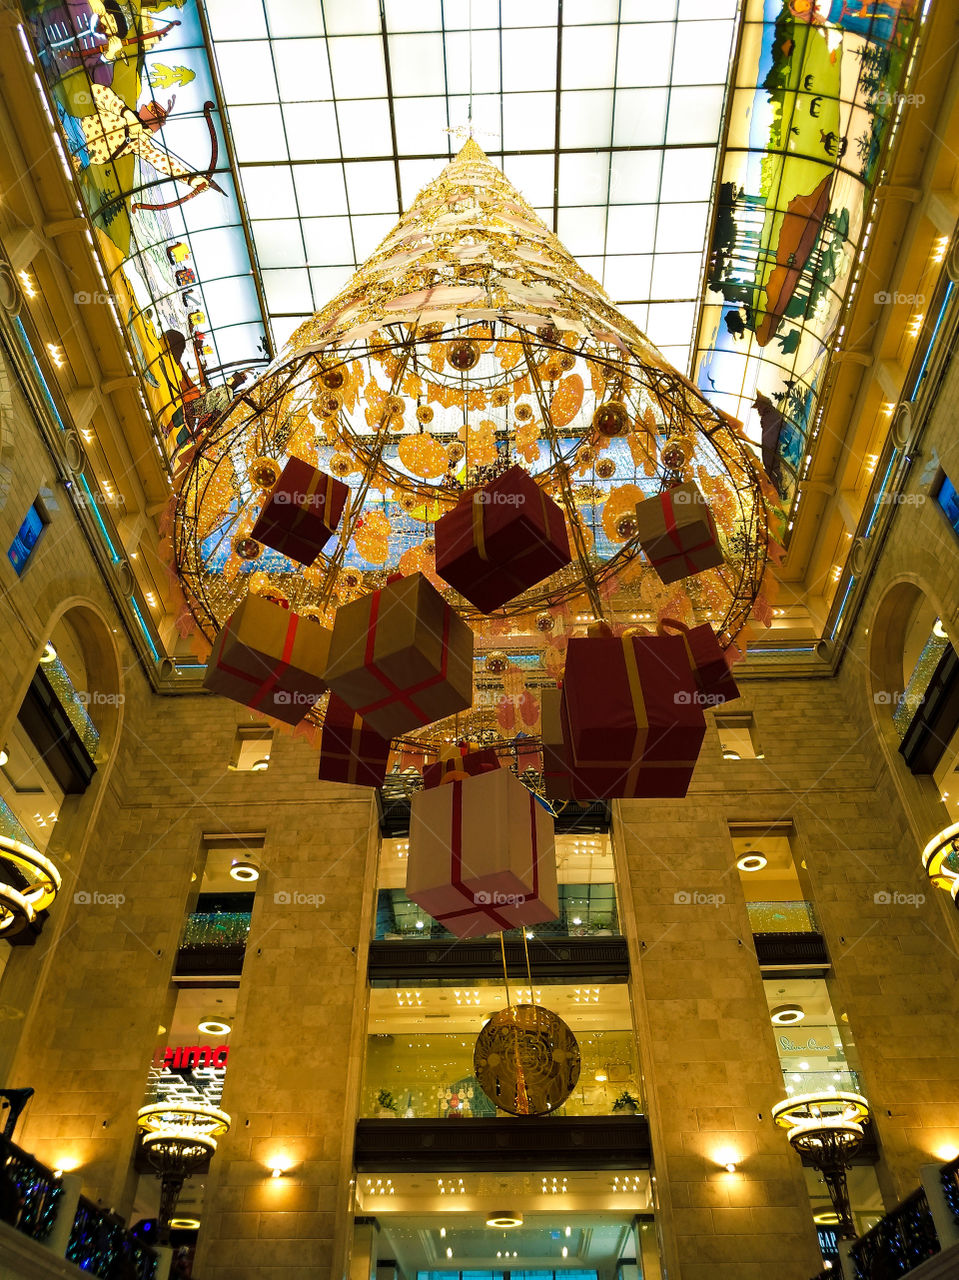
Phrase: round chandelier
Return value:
(940, 858)
(29, 882)
(469, 343)
(828, 1130)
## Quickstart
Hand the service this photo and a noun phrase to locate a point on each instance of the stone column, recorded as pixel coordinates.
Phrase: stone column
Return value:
(296, 1052)
(709, 1061)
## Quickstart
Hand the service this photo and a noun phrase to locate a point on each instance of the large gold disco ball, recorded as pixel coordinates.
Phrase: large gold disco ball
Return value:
(526, 1060)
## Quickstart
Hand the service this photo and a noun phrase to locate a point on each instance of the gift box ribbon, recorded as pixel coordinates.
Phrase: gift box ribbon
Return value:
(479, 529)
(394, 692)
(353, 756)
(273, 678)
(672, 533)
(639, 714)
(456, 868)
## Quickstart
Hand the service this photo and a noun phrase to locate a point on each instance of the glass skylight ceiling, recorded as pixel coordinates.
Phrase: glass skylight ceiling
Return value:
(604, 113)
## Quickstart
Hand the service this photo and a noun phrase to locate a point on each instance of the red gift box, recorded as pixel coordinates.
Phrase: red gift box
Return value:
(401, 657)
(708, 662)
(349, 749)
(631, 718)
(302, 511)
(270, 659)
(456, 763)
(677, 532)
(500, 540)
(482, 856)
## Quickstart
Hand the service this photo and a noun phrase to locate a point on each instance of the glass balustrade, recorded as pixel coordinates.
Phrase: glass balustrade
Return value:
(782, 917)
(585, 910)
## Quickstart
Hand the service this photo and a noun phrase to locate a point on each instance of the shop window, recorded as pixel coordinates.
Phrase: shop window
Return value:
(412, 1073)
(737, 736)
(34, 523)
(774, 895)
(947, 499)
(251, 749)
(213, 942)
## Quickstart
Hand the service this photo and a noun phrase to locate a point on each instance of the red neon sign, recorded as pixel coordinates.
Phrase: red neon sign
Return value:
(193, 1055)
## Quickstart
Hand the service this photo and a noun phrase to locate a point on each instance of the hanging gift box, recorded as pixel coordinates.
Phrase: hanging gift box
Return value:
(677, 532)
(301, 513)
(500, 540)
(481, 855)
(557, 781)
(456, 763)
(708, 662)
(349, 749)
(401, 657)
(269, 659)
(631, 719)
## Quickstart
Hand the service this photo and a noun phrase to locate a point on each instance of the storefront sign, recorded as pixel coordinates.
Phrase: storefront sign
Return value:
(193, 1055)
(812, 1045)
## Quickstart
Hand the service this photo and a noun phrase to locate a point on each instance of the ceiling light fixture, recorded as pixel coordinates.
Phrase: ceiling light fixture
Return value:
(4, 756)
(184, 1224)
(49, 653)
(786, 1015)
(214, 1027)
(244, 869)
(752, 862)
(504, 1219)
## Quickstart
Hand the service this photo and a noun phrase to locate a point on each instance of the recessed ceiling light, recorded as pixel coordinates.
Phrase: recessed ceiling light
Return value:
(752, 862)
(4, 756)
(214, 1027)
(784, 1015)
(504, 1219)
(260, 765)
(244, 869)
(49, 653)
(731, 755)
(826, 1219)
(184, 1224)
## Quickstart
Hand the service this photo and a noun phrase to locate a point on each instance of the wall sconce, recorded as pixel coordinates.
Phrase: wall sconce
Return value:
(727, 1159)
(280, 1166)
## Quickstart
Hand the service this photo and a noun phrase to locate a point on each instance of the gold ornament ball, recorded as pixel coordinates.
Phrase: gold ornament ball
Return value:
(429, 547)
(424, 414)
(552, 370)
(334, 379)
(341, 465)
(247, 548)
(606, 468)
(626, 525)
(456, 453)
(585, 456)
(545, 621)
(675, 454)
(329, 404)
(408, 501)
(611, 419)
(567, 361)
(523, 413)
(264, 472)
(462, 355)
(526, 1060)
(394, 406)
(497, 663)
(500, 396)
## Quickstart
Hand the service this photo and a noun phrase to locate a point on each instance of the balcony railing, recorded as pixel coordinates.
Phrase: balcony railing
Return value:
(227, 929)
(585, 910)
(73, 704)
(31, 1197)
(839, 1081)
(782, 917)
(898, 1243)
(101, 1244)
(30, 1192)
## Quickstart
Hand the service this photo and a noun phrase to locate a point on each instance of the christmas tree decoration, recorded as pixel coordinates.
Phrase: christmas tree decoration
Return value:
(302, 512)
(269, 659)
(526, 1060)
(501, 539)
(632, 723)
(401, 657)
(481, 855)
(469, 344)
(677, 531)
(350, 751)
(710, 669)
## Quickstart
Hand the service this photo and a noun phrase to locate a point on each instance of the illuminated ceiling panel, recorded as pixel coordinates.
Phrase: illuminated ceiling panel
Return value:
(812, 109)
(606, 115)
